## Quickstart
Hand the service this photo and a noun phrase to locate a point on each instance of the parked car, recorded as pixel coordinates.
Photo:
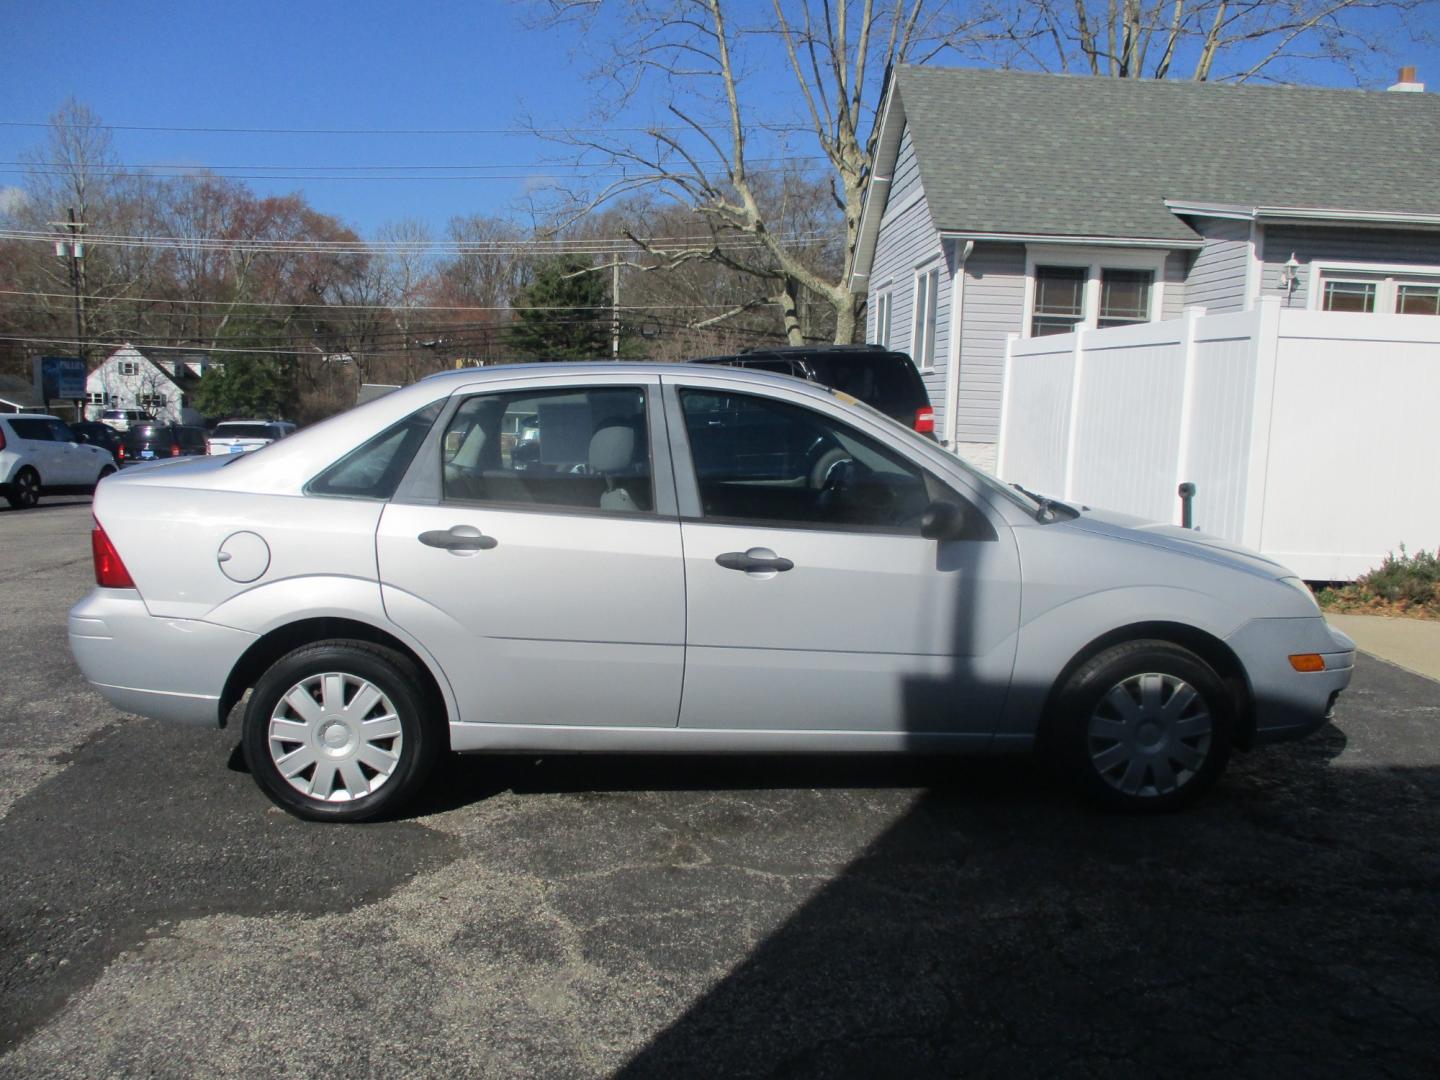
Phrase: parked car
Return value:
(696, 559)
(239, 436)
(122, 419)
(41, 455)
(98, 434)
(880, 377)
(149, 441)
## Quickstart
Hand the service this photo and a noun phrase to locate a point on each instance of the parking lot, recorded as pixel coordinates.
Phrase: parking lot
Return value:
(654, 916)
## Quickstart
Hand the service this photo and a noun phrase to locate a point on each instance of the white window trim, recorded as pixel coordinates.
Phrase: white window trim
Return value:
(1093, 260)
(929, 266)
(1386, 276)
(884, 313)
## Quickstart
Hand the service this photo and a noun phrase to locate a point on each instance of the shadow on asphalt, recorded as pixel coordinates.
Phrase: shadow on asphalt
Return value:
(153, 828)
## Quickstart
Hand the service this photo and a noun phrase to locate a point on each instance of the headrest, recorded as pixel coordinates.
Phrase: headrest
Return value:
(612, 448)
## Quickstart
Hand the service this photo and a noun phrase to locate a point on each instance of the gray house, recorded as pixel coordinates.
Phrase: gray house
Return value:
(1010, 203)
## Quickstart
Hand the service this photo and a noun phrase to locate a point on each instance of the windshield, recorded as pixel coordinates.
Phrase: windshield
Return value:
(243, 431)
(981, 477)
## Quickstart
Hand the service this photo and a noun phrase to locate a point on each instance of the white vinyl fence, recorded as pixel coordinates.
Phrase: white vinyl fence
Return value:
(1311, 436)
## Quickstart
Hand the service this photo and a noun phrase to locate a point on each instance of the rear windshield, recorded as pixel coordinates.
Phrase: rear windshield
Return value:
(243, 431)
(886, 381)
(144, 433)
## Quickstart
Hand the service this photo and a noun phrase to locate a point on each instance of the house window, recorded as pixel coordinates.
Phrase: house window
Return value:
(97, 399)
(1349, 296)
(1369, 288)
(922, 338)
(152, 401)
(1413, 299)
(129, 367)
(1124, 297)
(882, 319)
(1059, 299)
(1072, 288)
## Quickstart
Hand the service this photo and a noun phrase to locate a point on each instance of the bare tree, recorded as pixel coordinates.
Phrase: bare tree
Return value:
(1221, 40)
(720, 120)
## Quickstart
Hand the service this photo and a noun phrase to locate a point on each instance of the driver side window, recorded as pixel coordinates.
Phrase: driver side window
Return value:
(758, 461)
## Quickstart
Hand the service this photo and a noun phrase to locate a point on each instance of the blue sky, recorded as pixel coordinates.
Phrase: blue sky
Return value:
(319, 64)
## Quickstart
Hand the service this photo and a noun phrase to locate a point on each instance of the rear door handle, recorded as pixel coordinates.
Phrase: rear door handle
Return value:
(754, 561)
(459, 539)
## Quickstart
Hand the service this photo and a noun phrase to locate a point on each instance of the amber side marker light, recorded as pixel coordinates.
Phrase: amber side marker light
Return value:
(1310, 661)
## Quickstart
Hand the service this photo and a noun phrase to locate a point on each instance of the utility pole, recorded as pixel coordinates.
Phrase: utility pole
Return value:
(615, 309)
(73, 248)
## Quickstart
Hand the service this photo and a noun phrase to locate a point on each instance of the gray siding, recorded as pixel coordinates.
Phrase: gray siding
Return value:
(1338, 245)
(1176, 293)
(1217, 277)
(994, 307)
(905, 180)
(908, 240)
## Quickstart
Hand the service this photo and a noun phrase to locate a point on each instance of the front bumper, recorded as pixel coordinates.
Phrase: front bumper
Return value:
(1290, 704)
(169, 669)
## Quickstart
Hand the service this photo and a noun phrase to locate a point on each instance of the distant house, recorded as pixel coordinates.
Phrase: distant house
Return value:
(128, 379)
(1009, 203)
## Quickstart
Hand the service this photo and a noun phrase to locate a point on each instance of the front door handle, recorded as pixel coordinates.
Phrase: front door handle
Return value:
(459, 539)
(754, 561)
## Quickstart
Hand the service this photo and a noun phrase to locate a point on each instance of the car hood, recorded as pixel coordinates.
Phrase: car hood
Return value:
(1189, 542)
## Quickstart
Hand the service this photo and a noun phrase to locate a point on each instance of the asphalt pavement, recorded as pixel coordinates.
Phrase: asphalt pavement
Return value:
(698, 917)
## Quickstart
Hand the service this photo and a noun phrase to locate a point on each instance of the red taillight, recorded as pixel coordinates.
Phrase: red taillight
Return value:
(110, 572)
(925, 420)
(121, 456)
(174, 449)
(2, 438)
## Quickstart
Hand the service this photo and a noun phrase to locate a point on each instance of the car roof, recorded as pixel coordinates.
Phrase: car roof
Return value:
(28, 416)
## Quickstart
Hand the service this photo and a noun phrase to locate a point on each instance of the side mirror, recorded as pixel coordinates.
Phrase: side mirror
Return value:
(942, 521)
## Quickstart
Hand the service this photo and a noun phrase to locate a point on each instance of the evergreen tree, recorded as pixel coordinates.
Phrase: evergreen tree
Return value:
(563, 314)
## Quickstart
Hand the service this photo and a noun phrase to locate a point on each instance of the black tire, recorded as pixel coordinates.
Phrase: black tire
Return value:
(1149, 748)
(393, 675)
(24, 489)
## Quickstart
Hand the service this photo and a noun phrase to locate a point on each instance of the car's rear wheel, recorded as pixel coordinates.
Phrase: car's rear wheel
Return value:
(1144, 725)
(24, 489)
(339, 731)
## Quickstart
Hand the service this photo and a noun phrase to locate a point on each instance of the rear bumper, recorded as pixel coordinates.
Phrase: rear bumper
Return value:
(169, 669)
(1290, 704)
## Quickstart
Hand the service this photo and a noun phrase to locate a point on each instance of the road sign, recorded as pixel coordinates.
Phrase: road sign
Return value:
(60, 378)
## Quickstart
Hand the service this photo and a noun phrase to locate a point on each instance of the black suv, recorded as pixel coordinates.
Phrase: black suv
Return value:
(148, 441)
(881, 378)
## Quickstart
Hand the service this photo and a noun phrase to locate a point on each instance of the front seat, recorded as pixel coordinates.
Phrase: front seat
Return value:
(617, 449)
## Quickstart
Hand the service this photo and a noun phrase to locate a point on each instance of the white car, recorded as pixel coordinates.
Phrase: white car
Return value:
(241, 436)
(121, 419)
(688, 559)
(40, 455)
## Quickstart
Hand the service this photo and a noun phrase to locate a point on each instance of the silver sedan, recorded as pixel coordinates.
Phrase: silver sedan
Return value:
(674, 559)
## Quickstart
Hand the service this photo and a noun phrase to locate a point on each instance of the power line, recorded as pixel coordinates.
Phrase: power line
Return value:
(568, 246)
(539, 165)
(362, 131)
(242, 307)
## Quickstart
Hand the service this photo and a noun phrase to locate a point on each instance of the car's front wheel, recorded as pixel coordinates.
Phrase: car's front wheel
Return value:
(1144, 725)
(24, 489)
(339, 731)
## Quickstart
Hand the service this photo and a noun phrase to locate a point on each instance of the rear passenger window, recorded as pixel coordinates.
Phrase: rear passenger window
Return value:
(581, 449)
(32, 429)
(373, 470)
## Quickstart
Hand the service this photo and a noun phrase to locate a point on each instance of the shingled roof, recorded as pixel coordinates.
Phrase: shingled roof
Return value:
(1005, 152)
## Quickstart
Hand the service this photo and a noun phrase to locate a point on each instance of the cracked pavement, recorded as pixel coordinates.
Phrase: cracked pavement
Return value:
(661, 917)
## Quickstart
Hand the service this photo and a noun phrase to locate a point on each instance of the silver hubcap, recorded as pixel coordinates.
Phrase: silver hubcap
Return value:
(1150, 734)
(335, 737)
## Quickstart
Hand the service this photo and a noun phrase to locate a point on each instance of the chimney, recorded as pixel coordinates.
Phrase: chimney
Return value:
(1407, 83)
